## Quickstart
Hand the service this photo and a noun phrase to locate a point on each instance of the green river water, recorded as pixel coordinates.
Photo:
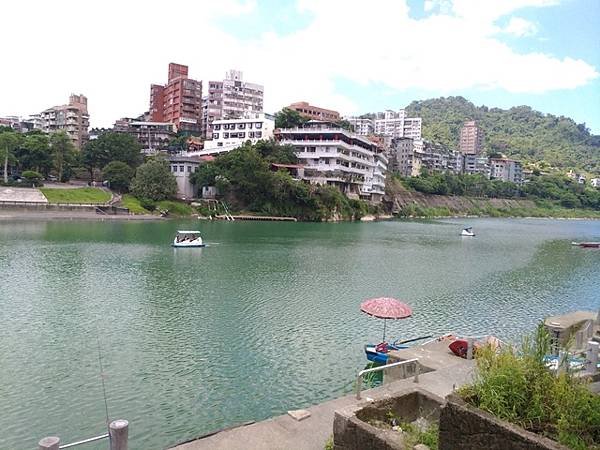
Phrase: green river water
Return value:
(263, 320)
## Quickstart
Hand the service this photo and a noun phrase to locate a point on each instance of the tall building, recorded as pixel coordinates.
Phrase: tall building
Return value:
(152, 136)
(471, 139)
(362, 126)
(314, 112)
(331, 155)
(72, 118)
(232, 98)
(393, 124)
(179, 101)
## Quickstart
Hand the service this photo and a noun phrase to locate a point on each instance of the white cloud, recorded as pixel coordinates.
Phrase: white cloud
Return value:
(520, 27)
(112, 51)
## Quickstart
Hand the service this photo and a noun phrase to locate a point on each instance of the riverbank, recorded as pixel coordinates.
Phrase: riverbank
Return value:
(28, 215)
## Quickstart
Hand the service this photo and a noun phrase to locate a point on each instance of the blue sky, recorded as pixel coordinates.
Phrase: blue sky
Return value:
(350, 55)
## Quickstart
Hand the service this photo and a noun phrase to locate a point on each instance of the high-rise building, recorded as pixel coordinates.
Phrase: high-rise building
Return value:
(179, 101)
(314, 112)
(506, 170)
(72, 119)
(232, 98)
(471, 138)
(152, 136)
(388, 123)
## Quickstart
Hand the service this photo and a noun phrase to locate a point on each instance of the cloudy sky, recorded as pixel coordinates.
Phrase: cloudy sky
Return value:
(352, 55)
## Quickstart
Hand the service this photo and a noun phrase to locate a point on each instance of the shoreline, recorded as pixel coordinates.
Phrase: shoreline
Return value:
(20, 215)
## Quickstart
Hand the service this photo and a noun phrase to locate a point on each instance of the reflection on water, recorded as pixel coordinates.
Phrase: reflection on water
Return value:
(264, 321)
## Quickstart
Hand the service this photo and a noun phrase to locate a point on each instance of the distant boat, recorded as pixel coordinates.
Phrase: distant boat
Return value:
(467, 232)
(188, 239)
(587, 244)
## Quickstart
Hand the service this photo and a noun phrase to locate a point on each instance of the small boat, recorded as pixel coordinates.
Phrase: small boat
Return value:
(587, 244)
(378, 353)
(467, 232)
(188, 239)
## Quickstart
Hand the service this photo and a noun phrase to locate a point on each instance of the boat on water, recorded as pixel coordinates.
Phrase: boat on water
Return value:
(378, 353)
(587, 244)
(467, 232)
(188, 239)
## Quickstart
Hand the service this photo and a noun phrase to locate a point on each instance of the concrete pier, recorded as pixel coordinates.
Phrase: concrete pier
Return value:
(311, 433)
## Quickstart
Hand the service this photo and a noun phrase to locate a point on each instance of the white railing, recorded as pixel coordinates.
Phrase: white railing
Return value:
(359, 377)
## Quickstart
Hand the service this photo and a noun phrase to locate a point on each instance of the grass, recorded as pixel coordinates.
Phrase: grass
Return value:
(515, 385)
(133, 204)
(77, 195)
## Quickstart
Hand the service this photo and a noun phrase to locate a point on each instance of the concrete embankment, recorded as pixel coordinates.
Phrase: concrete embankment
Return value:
(455, 205)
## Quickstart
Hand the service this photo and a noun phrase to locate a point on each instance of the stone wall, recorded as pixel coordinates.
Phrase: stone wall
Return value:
(465, 427)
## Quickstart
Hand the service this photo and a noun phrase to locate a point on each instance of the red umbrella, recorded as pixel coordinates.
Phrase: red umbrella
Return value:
(386, 308)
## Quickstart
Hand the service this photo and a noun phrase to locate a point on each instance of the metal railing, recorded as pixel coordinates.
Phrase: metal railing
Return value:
(118, 433)
(85, 441)
(359, 377)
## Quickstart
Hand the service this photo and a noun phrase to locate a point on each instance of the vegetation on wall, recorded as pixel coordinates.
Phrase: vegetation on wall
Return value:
(519, 132)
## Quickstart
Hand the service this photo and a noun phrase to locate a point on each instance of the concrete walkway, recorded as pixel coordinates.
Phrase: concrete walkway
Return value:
(17, 194)
(284, 432)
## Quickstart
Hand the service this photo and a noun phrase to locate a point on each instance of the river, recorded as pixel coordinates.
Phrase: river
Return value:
(263, 320)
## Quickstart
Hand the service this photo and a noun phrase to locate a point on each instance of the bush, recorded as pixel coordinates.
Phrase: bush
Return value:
(118, 174)
(154, 181)
(515, 385)
(32, 178)
(147, 204)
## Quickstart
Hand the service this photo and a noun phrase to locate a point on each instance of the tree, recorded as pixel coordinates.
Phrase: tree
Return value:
(118, 174)
(111, 146)
(289, 118)
(34, 153)
(9, 142)
(32, 177)
(63, 153)
(346, 125)
(153, 180)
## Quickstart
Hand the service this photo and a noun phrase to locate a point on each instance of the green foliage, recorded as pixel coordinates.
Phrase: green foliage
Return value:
(244, 177)
(515, 385)
(175, 208)
(32, 178)
(147, 204)
(520, 132)
(9, 142)
(329, 443)
(118, 174)
(134, 205)
(153, 180)
(63, 154)
(34, 153)
(289, 118)
(111, 147)
(346, 125)
(77, 195)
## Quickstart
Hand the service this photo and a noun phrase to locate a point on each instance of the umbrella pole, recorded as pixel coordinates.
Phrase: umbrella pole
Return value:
(384, 322)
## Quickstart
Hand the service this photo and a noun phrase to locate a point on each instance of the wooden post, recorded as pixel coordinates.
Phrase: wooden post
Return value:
(470, 344)
(49, 443)
(119, 431)
(592, 356)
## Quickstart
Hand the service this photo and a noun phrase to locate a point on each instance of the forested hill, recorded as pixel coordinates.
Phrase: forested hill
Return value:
(521, 132)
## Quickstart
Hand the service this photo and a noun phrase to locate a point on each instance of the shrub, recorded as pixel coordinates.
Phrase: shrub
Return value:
(153, 180)
(147, 204)
(118, 174)
(33, 178)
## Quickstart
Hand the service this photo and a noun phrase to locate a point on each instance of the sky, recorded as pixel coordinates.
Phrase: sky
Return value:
(354, 56)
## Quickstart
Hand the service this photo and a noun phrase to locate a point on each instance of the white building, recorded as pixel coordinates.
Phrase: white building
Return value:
(595, 182)
(229, 99)
(475, 164)
(229, 134)
(331, 155)
(506, 170)
(182, 168)
(412, 128)
(361, 126)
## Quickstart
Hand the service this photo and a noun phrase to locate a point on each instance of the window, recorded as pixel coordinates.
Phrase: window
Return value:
(225, 135)
(173, 168)
(241, 126)
(242, 135)
(257, 134)
(189, 169)
(258, 125)
(250, 125)
(217, 126)
(215, 135)
(181, 169)
(219, 144)
(250, 134)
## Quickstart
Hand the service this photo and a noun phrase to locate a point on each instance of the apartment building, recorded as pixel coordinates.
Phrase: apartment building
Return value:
(334, 156)
(362, 126)
(152, 136)
(228, 134)
(315, 112)
(475, 164)
(178, 102)
(72, 118)
(471, 139)
(506, 170)
(401, 156)
(390, 123)
(231, 98)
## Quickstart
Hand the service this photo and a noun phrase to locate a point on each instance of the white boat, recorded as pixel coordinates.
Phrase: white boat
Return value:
(188, 239)
(467, 232)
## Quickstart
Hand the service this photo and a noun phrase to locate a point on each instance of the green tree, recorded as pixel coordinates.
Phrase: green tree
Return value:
(346, 125)
(289, 118)
(63, 153)
(110, 147)
(9, 142)
(154, 181)
(118, 174)
(32, 177)
(34, 153)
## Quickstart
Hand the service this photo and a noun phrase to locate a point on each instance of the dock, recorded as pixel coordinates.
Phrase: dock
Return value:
(248, 217)
(446, 373)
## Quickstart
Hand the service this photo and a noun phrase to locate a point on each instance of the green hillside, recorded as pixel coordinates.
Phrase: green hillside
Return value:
(521, 132)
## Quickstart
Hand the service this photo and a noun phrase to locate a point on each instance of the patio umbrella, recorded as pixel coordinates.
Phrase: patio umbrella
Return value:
(386, 308)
